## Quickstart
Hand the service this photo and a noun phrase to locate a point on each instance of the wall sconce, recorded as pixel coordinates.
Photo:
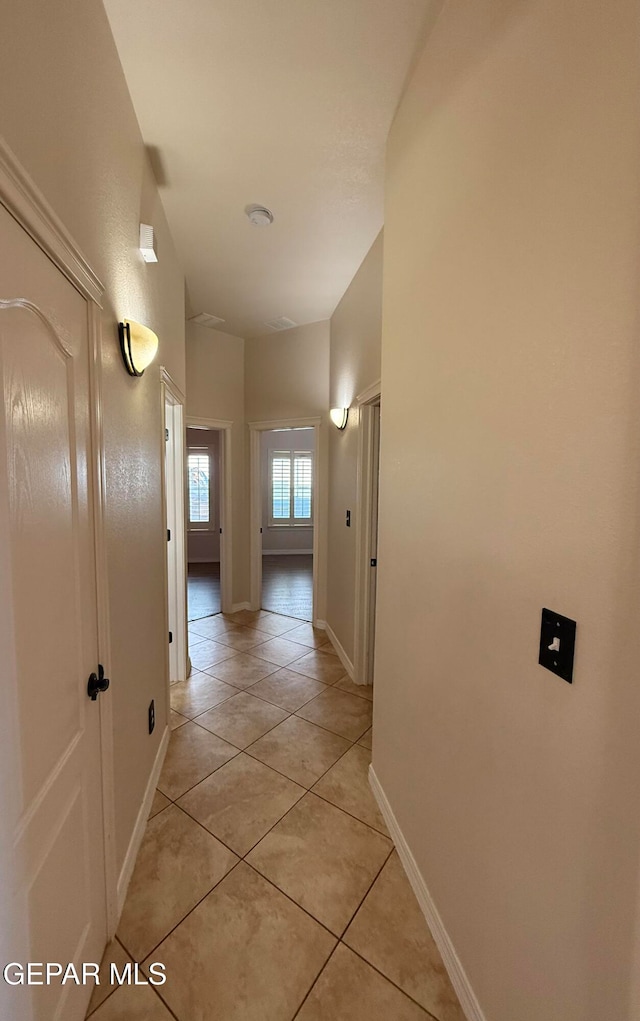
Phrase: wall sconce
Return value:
(139, 346)
(339, 417)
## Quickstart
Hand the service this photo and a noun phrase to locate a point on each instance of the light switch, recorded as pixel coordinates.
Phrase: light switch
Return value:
(557, 644)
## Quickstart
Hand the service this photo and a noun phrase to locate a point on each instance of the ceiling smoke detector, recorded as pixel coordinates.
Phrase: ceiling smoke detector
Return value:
(260, 216)
(206, 319)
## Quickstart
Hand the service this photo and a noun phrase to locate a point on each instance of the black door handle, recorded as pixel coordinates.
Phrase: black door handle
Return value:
(97, 683)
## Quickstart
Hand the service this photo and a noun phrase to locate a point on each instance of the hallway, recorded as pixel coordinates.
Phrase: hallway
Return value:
(266, 882)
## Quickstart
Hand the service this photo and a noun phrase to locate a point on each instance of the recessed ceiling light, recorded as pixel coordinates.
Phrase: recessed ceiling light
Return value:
(260, 216)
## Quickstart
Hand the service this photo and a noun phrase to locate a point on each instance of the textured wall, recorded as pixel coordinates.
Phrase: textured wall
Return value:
(68, 117)
(286, 377)
(510, 454)
(215, 388)
(356, 328)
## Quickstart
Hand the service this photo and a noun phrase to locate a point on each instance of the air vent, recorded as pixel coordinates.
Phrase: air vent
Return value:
(280, 324)
(148, 243)
(205, 319)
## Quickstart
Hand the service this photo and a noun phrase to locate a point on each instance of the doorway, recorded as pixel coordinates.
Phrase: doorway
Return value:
(367, 534)
(203, 529)
(287, 460)
(208, 491)
(284, 517)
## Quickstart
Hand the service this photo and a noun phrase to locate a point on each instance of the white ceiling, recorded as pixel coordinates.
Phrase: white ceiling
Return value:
(285, 103)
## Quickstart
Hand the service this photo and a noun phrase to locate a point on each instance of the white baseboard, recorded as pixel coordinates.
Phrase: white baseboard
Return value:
(342, 656)
(240, 606)
(141, 822)
(287, 552)
(459, 980)
(321, 624)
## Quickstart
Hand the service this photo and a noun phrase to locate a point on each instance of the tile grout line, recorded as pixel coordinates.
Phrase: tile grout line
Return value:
(190, 911)
(315, 982)
(352, 742)
(428, 1014)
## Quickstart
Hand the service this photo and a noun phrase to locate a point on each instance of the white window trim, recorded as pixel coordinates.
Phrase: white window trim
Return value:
(290, 522)
(211, 526)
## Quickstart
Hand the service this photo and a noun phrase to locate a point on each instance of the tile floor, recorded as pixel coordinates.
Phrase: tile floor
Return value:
(266, 882)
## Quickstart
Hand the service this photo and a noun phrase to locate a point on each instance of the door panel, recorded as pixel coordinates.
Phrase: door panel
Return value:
(373, 550)
(47, 499)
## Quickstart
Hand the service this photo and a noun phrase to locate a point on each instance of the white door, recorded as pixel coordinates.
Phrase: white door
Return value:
(48, 593)
(373, 549)
(175, 487)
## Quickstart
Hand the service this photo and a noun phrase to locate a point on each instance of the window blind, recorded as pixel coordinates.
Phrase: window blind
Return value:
(291, 487)
(199, 488)
(302, 485)
(281, 485)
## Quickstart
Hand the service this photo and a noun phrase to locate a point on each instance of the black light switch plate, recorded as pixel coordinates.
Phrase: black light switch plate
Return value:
(557, 644)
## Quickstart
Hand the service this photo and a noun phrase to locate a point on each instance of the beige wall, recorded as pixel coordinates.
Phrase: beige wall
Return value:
(510, 453)
(356, 327)
(286, 374)
(215, 388)
(287, 377)
(276, 538)
(203, 545)
(68, 117)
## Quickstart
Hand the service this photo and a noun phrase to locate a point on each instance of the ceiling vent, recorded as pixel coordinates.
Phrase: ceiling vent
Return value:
(148, 243)
(280, 324)
(205, 319)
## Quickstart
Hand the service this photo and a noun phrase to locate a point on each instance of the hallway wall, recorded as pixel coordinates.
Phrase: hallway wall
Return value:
(71, 123)
(510, 463)
(215, 390)
(356, 330)
(287, 377)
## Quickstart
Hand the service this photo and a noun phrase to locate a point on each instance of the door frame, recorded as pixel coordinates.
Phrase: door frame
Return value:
(365, 402)
(25, 202)
(225, 428)
(174, 462)
(255, 506)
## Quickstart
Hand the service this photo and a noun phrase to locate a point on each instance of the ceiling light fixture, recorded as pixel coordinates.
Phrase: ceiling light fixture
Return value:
(339, 417)
(259, 216)
(139, 346)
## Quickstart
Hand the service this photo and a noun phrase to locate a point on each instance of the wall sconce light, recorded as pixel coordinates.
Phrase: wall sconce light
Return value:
(139, 346)
(339, 417)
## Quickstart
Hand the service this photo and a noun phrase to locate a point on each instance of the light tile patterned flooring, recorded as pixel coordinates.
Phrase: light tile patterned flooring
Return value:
(266, 882)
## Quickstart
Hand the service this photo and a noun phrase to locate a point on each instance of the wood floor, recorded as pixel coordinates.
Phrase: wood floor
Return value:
(203, 590)
(287, 585)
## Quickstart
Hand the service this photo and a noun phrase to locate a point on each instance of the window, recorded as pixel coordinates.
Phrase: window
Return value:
(199, 475)
(291, 476)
